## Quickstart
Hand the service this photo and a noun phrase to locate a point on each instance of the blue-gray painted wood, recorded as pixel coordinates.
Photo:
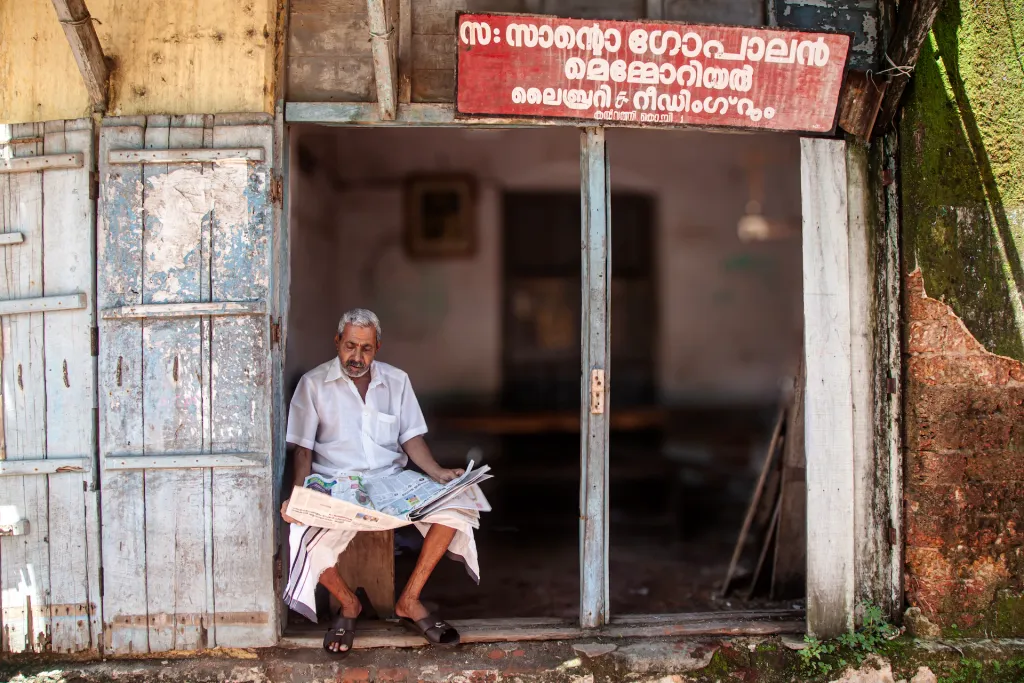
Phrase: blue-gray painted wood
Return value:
(596, 278)
(119, 283)
(857, 17)
(187, 332)
(243, 579)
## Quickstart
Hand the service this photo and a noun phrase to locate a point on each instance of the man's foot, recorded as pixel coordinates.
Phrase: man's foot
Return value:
(415, 617)
(411, 609)
(350, 609)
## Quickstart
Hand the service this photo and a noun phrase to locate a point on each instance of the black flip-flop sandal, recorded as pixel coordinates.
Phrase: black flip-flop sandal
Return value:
(435, 630)
(342, 631)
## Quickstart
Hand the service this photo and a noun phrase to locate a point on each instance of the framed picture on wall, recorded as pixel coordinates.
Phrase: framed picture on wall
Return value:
(440, 216)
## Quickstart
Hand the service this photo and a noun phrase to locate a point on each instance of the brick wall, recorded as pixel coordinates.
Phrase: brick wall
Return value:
(964, 488)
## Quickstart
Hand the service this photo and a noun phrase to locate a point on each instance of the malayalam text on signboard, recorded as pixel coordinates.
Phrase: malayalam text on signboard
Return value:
(643, 72)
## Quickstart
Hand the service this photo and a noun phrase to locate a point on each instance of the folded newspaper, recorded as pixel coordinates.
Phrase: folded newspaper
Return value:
(380, 503)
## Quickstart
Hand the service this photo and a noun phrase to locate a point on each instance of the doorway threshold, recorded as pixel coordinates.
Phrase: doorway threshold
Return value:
(389, 633)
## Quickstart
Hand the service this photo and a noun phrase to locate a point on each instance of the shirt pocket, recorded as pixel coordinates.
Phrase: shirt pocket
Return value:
(387, 430)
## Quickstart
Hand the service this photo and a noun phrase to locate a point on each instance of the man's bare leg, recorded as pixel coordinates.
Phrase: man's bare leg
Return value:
(434, 547)
(350, 605)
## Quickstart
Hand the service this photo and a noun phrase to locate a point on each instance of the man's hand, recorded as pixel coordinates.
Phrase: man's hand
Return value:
(284, 515)
(443, 476)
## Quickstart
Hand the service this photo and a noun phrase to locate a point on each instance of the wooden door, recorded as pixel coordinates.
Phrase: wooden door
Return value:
(185, 365)
(49, 548)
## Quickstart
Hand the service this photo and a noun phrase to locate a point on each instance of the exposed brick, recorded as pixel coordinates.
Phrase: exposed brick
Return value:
(354, 675)
(995, 467)
(946, 335)
(964, 439)
(926, 531)
(919, 306)
(518, 653)
(927, 468)
(393, 675)
(936, 402)
(980, 369)
(929, 566)
(992, 432)
(935, 597)
(482, 676)
(496, 654)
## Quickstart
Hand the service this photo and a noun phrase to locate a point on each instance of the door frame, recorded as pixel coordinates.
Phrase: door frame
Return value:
(851, 321)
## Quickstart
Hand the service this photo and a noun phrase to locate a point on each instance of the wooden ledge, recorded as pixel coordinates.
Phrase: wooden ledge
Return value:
(751, 623)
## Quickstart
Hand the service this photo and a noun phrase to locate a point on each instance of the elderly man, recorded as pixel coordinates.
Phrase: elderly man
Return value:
(357, 415)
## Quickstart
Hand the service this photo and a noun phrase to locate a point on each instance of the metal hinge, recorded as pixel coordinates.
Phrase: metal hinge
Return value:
(275, 332)
(596, 392)
(277, 190)
(892, 535)
(94, 185)
(94, 342)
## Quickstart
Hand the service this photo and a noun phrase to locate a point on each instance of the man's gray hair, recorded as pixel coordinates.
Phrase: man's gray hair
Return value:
(360, 317)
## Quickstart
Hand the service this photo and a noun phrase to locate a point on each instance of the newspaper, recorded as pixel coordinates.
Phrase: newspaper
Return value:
(380, 503)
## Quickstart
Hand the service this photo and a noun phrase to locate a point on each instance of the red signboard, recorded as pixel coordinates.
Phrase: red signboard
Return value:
(649, 73)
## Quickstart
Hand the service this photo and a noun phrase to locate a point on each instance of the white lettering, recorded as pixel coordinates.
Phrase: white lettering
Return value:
(597, 70)
(472, 32)
(638, 41)
(575, 69)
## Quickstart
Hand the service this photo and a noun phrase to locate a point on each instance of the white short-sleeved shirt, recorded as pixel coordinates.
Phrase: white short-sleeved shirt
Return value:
(329, 417)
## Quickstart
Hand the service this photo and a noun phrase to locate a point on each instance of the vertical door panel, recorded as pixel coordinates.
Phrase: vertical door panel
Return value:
(49, 561)
(188, 233)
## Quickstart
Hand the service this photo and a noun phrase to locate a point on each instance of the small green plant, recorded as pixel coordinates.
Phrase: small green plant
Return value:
(975, 671)
(824, 657)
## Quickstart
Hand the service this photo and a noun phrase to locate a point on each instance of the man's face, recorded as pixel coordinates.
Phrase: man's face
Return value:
(357, 347)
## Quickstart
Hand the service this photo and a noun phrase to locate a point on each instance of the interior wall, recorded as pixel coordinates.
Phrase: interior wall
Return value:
(730, 313)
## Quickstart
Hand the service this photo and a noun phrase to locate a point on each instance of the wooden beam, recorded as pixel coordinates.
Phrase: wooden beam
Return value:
(597, 279)
(49, 162)
(183, 156)
(21, 468)
(913, 24)
(828, 402)
(183, 461)
(383, 46)
(859, 102)
(405, 51)
(9, 238)
(43, 304)
(753, 623)
(85, 46)
(188, 310)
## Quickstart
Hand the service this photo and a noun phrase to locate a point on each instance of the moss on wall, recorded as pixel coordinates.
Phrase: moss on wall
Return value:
(962, 152)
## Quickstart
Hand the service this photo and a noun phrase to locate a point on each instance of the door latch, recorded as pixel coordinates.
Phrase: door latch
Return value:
(597, 392)
(19, 528)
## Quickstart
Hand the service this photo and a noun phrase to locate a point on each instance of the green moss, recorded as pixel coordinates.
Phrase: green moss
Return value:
(1009, 616)
(962, 154)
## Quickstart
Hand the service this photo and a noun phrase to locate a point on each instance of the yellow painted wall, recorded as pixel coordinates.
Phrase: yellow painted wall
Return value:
(170, 57)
